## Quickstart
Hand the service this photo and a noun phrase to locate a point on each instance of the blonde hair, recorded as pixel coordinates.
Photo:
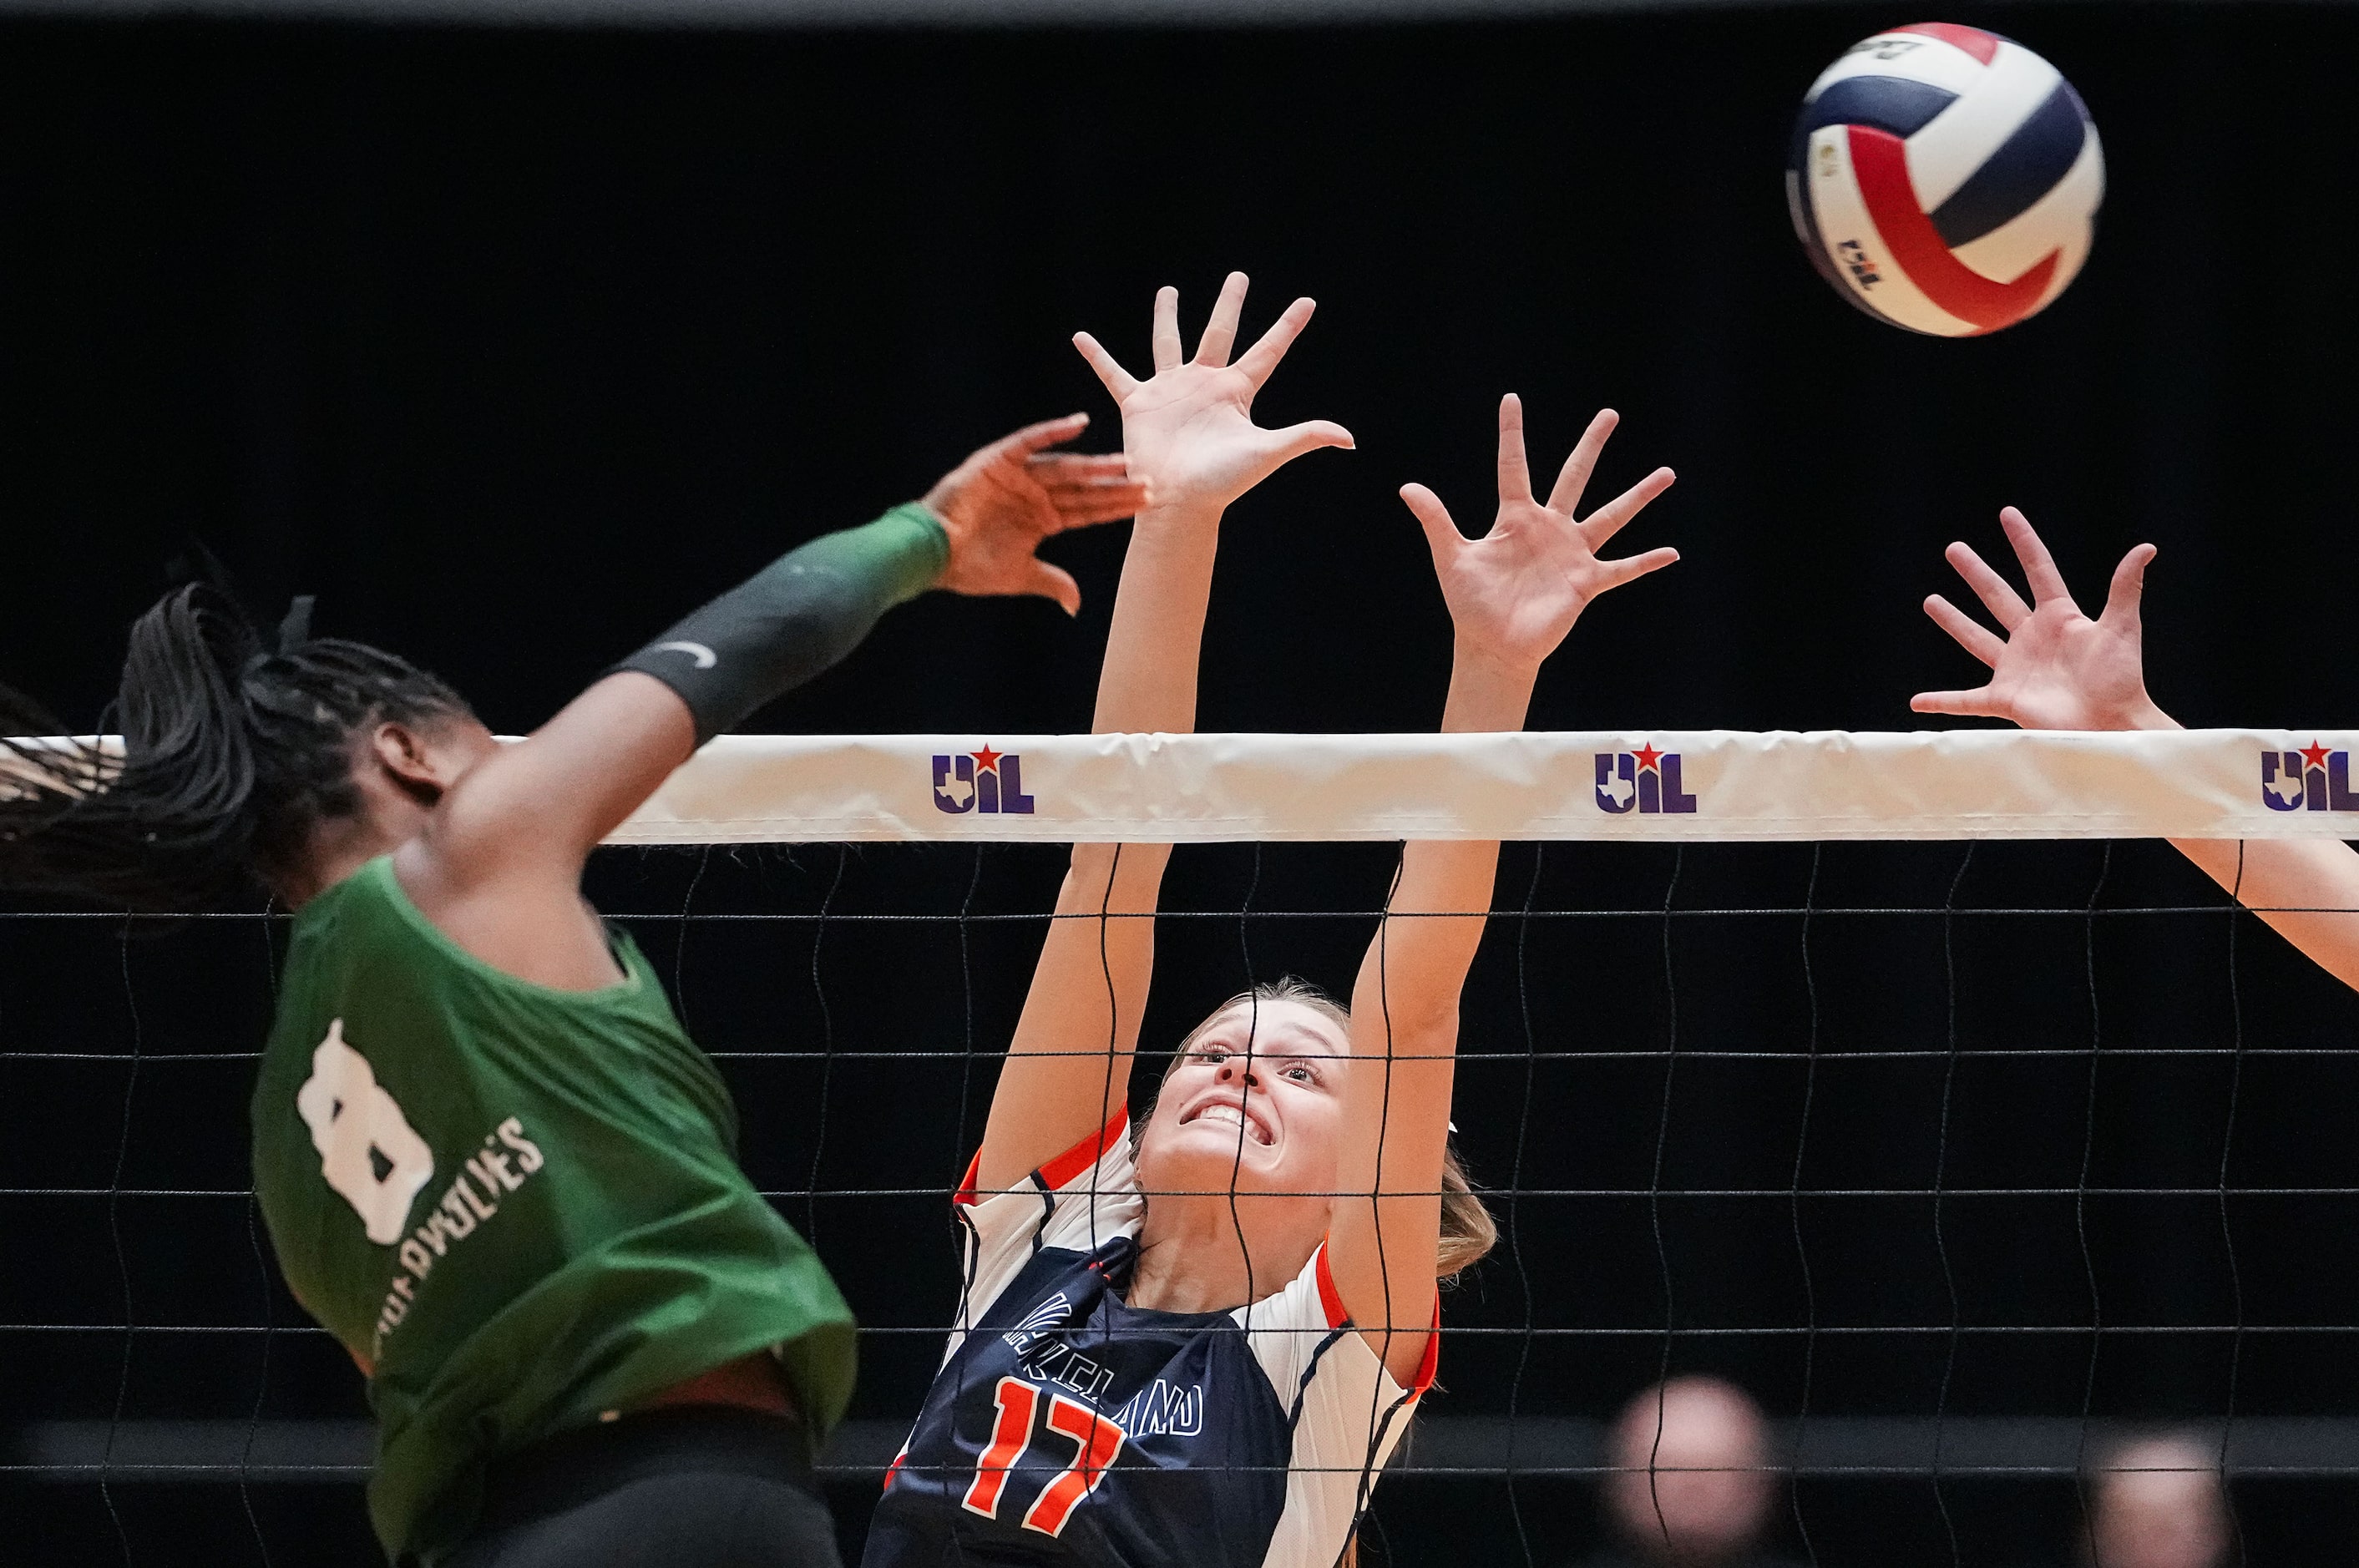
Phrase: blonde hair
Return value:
(1468, 1231)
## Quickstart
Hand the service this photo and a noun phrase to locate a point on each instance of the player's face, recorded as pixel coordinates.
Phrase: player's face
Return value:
(1256, 1105)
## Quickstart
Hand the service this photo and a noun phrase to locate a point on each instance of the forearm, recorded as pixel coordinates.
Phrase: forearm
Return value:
(1069, 1062)
(1147, 682)
(2307, 890)
(794, 618)
(1415, 966)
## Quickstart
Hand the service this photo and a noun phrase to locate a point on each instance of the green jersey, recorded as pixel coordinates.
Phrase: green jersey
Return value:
(520, 1206)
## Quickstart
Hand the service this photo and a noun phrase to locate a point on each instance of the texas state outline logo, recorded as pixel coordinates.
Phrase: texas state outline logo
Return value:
(2312, 779)
(1645, 780)
(988, 782)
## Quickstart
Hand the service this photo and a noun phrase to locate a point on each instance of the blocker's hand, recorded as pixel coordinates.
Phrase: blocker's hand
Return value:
(1188, 430)
(2056, 669)
(1514, 592)
(997, 506)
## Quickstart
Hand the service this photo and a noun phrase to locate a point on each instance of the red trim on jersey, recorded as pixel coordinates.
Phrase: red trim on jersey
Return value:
(1057, 1172)
(1879, 162)
(1983, 46)
(1430, 1362)
(1331, 1301)
(893, 1469)
(1084, 1154)
(1329, 1298)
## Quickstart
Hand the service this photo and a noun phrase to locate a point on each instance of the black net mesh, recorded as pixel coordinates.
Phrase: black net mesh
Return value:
(1962, 1160)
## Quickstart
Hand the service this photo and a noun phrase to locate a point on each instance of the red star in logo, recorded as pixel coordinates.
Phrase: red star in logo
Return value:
(988, 759)
(2314, 754)
(1648, 757)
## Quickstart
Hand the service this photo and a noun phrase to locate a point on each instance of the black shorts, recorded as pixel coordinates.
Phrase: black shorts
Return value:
(694, 1486)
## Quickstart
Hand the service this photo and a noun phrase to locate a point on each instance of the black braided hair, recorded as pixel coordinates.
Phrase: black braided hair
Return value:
(231, 754)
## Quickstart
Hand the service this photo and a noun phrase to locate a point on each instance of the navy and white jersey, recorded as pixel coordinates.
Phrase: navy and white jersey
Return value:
(1068, 1427)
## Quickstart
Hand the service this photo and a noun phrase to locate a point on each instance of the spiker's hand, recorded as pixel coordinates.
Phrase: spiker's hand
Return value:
(1514, 592)
(1188, 430)
(999, 504)
(2056, 669)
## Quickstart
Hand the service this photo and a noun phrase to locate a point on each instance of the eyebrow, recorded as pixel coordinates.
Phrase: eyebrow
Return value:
(1272, 1054)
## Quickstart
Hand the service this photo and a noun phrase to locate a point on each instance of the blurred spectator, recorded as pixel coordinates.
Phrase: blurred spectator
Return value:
(2156, 1502)
(1702, 1496)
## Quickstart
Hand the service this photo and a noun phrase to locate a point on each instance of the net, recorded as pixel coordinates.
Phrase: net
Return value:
(1901, 1081)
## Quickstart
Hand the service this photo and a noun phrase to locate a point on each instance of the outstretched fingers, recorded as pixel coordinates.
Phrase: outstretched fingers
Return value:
(2038, 566)
(1261, 359)
(1515, 471)
(2128, 587)
(1110, 375)
(1081, 507)
(1032, 439)
(1974, 704)
(1053, 582)
(1292, 440)
(1166, 337)
(1573, 478)
(1221, 332)
(1440, 530)
(1631, 568)
(1612, 517)
(1967, 632)
(2005, 605)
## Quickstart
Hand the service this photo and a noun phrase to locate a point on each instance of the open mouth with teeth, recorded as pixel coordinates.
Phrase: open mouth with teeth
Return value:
(1229, 1114)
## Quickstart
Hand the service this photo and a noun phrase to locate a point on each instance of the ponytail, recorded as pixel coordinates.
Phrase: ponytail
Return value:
(231, 755)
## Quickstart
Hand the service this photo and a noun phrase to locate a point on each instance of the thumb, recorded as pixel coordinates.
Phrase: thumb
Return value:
(1054, 582)
(1975, 704)
(1441, 529)
(2129, 588)
(1286, 445)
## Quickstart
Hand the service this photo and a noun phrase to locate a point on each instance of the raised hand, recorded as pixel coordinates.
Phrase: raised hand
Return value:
(1514, 592)
(2056, 669)
(999, 504)
(1188, 430)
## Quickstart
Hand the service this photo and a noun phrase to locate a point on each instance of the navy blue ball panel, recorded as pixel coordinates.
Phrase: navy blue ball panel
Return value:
(1891, 104)
(2026, 166)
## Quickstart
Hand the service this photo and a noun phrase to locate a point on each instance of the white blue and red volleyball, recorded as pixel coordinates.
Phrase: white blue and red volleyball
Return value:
(1945, 180)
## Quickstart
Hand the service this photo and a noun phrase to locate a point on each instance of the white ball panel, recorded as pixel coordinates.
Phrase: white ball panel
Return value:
(1962, 137)
(2063, 219)
(1944, 65)
(1857, 247)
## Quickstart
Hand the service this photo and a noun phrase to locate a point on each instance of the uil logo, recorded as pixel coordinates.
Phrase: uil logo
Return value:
(988, 782)
(2313, 778)
(1645, 780)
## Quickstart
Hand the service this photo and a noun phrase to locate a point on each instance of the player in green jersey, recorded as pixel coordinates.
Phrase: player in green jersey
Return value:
(491, 1163)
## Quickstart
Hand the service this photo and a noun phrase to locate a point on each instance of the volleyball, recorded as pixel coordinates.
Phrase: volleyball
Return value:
(1945, 180)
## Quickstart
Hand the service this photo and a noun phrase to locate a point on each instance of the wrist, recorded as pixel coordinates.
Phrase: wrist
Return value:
(1492, 665)
(1489, 691)
(1185, 516)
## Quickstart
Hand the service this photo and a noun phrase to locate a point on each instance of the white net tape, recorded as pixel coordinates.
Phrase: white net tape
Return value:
(1692, 785)
(1704, 785)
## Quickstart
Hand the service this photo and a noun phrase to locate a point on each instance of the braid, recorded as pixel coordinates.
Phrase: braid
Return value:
(231, 754)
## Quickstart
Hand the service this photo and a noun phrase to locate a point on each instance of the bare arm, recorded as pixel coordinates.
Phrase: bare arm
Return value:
(1513, 595)
(1190, 437)
(2057, 670)
(499, 864)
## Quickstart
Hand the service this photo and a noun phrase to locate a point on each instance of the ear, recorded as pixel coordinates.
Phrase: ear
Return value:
(409, 760)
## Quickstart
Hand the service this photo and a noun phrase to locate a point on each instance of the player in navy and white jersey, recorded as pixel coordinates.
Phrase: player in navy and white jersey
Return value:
(1176, 1344)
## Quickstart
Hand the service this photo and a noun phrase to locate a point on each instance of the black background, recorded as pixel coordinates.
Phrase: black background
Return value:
(511, 346)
